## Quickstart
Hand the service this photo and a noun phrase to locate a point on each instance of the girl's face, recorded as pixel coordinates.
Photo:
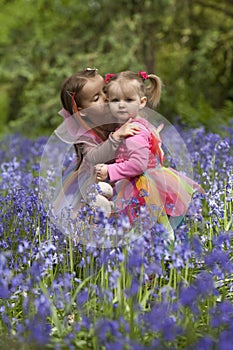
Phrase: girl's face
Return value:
(92, 93)
(124, 100)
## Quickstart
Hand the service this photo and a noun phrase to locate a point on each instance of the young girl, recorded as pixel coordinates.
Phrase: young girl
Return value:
(95, 139)
(138, 171)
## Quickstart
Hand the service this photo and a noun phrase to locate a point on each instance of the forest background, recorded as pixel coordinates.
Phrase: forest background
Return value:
(187, 43)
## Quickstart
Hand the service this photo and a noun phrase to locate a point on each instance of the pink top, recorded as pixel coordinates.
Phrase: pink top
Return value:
(135, 154)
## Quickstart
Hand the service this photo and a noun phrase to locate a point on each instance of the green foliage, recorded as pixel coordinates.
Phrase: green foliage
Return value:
(198, 113)
(3, 108)
(188, 44)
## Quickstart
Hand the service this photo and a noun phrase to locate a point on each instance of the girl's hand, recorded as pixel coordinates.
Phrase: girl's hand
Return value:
(126, 130)
(101, 172)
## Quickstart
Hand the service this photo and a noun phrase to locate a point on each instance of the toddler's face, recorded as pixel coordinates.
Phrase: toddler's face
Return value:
(92, 94)
(124, 101)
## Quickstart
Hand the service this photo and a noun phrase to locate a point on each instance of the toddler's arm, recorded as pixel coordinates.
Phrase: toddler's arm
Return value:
(138, 156)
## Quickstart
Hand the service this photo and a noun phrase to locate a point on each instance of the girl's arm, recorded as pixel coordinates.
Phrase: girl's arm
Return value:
(106, 151)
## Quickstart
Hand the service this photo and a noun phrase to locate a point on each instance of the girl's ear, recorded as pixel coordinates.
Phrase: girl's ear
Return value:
(143, 102)
(81, 112)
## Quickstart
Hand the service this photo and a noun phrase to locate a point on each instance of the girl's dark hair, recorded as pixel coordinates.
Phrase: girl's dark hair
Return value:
(74, 85)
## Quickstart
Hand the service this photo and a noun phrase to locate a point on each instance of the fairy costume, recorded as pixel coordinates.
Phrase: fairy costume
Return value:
(90, 149)
(142, 180)
(138, 173)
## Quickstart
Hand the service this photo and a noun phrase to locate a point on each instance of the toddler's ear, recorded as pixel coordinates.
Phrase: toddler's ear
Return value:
(143, 102)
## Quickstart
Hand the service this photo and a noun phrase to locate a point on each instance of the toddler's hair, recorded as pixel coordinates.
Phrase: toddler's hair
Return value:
(74, 85)
(151, 91)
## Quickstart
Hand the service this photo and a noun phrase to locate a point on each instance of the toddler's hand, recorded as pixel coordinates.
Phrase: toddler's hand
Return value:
(126, 130)
(101, 172)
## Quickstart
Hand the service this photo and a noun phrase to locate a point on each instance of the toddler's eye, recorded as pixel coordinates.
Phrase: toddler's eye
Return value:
(114, 100)
(128, 99)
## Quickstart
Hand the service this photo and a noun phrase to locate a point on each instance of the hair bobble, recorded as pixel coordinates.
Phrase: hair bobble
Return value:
(71, 93)
(91, 69)
(108, 77)
(143, 75)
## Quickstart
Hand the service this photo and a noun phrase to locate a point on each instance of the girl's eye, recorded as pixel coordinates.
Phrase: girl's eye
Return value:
(128, 99)
(96, 98)
(114, 100)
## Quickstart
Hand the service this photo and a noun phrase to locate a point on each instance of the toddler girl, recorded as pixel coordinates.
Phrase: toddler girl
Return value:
(138, 171)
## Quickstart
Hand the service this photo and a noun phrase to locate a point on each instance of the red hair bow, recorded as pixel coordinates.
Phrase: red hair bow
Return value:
(108, 77)
(143, 75)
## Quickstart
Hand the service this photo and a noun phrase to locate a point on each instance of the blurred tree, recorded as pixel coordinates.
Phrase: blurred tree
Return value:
(187, 43)
(201, 78)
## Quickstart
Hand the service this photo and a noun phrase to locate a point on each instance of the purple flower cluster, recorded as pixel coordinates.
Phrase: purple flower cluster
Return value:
(150, 294)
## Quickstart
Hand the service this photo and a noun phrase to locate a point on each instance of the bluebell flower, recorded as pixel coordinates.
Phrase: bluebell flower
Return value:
(221, 257)
(222, 315)
(225, 340)
(108, 294)
(113, 278)
(42, 306)
(106, 329)
(205, 343)
(86, 323)
(188, 295)
(134, 288)
(171, 329)
(82, 297)
(154, 319)
(4, 289)
(116, 345)
(25, 225)
(39, 331)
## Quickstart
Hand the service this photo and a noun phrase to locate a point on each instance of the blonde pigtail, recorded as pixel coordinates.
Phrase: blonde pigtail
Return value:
(153, 91)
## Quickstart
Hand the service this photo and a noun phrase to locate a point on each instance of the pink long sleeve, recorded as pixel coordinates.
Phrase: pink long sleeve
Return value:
(137, 147)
